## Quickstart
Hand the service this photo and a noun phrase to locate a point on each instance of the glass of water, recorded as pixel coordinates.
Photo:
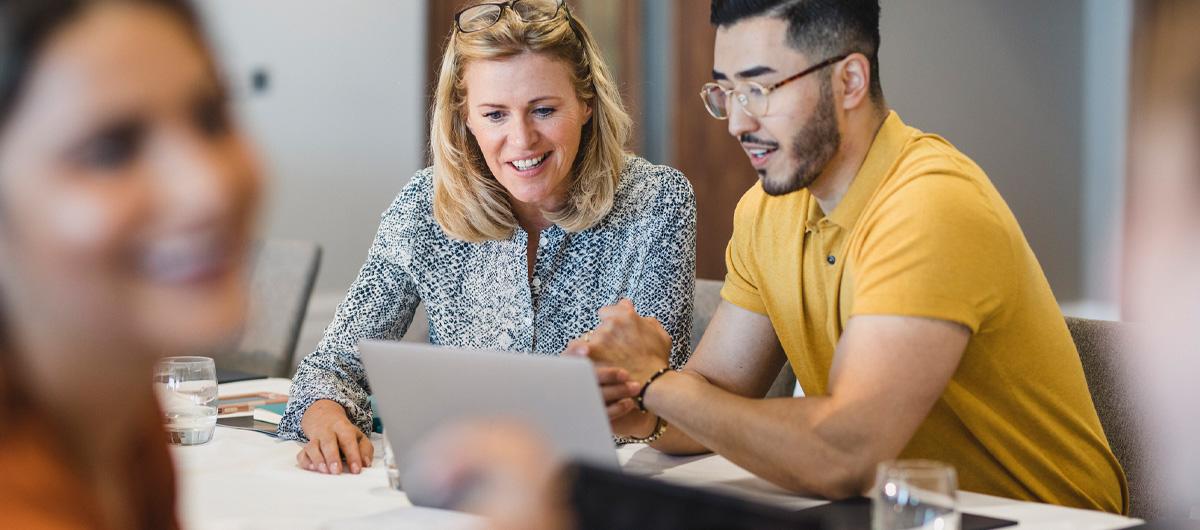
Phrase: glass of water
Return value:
(187, 392)
(915, 494)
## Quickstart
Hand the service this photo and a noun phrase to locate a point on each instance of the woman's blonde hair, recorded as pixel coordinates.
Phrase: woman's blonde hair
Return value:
(468, 202)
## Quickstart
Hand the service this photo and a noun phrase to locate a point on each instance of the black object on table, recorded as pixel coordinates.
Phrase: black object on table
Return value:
(610, 500)
(855, 514)
(233, 376)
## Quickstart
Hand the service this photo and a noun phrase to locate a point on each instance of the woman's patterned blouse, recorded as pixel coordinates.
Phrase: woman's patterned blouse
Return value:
(479, 295)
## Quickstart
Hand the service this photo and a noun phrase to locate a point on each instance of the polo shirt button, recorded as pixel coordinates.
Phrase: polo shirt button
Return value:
(831, 260)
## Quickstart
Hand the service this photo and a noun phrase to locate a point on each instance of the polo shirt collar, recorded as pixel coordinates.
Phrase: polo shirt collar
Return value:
(885, 149)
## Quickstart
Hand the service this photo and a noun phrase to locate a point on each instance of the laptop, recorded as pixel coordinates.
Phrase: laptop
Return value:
(419, 387)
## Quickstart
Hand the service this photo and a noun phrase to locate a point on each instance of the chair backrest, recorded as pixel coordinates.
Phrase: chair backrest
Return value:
(281, 280)
(418, 329)
(1101, 345)
(708, 298)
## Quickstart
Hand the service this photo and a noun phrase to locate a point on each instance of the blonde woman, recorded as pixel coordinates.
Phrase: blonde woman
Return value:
(532, 218)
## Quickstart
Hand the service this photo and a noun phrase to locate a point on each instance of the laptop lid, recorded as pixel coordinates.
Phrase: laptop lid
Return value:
(419, 387)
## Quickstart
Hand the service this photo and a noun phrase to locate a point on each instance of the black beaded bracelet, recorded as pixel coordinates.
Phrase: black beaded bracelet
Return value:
(642, 395)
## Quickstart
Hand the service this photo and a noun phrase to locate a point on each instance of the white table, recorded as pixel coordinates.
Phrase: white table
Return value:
(243, 480)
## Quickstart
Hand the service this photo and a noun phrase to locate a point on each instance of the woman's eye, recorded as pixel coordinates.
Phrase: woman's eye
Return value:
(495, 115)
(543, 112)
(112, 148)
(211, 116)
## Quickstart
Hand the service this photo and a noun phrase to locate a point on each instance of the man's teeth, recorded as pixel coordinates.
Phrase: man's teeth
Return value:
(759, 153)
(528, 164)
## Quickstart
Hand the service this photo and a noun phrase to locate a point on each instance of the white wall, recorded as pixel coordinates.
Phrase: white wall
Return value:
(1003, 82)
(341, 125)
(1036, 93)
(1108, 27)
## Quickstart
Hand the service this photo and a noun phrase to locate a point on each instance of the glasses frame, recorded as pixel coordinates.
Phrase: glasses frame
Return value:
(743, 99)
(504, 5)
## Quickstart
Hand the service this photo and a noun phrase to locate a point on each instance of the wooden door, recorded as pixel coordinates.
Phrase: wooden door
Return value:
(703, 150)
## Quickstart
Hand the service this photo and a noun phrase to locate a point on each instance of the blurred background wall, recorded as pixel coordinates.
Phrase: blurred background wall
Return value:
(1036, 92)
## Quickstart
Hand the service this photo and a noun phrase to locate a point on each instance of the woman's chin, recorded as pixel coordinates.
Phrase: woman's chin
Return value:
(186, 323)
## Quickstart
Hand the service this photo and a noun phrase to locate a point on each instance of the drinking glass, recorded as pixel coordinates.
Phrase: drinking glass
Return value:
(915, 494)
(187, 392)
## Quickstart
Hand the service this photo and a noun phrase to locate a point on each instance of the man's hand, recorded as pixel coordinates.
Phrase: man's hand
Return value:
(625, 340)
(618, 391)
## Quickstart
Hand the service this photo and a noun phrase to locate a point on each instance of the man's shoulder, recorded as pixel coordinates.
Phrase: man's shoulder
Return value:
(934, 177)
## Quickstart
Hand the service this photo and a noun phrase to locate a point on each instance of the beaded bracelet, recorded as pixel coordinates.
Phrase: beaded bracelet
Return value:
(640, 399)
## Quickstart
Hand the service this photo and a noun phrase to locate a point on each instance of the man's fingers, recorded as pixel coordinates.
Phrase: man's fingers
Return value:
(331, 458)
(348, 442)
(620, 408)
(619, 391)
(609, 375)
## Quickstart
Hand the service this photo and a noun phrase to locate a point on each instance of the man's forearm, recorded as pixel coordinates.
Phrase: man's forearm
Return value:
(776, 439)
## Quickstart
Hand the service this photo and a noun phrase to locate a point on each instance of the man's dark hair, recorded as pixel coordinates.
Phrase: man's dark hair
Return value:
(818, 28)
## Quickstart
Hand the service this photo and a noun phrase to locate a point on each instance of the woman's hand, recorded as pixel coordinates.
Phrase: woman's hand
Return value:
(332, 438)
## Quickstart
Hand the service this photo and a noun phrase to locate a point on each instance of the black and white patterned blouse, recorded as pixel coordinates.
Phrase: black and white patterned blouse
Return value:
(478, 295)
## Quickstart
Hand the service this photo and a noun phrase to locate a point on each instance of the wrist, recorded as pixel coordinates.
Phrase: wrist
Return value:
(640, 398)
(652, 397)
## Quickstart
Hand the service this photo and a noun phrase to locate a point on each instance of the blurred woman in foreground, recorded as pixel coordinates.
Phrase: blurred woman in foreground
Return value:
(126, 201)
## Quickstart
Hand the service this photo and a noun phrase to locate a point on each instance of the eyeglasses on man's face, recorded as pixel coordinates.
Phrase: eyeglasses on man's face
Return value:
(483, 16)
(754, 98)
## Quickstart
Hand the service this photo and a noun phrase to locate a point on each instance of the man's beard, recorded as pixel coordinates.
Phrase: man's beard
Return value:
(812, 148)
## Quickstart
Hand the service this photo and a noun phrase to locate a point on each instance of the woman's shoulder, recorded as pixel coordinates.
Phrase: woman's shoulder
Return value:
(644, 185)
(411, 212)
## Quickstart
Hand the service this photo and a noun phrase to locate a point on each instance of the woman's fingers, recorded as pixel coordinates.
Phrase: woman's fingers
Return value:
(348, 443)
(366, 449)
(312, 459)
(331, 457)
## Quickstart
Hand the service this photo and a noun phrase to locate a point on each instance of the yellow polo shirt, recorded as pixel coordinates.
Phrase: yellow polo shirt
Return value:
(922, 232)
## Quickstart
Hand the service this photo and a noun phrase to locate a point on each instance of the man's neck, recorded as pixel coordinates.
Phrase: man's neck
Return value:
(831, 186)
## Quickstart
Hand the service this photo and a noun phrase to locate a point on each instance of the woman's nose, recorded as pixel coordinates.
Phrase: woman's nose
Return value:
(524, 134)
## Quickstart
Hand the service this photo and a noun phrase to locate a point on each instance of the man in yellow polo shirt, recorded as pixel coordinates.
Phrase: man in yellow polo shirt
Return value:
(885, 266)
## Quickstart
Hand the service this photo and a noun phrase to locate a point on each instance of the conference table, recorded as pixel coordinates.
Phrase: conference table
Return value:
(247, 480)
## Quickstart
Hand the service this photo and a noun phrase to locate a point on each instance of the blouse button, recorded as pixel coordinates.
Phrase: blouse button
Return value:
(537, 282)
(541, 241)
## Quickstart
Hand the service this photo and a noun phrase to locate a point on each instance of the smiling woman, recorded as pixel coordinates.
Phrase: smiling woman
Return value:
(532, 218)
(126, 202)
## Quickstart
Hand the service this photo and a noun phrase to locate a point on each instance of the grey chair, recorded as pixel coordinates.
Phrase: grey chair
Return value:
(1101, 345)
(418, 329)
(708, 298)
(281, 281)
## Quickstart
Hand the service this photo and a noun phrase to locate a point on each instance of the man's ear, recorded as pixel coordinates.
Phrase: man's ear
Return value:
(855, 75)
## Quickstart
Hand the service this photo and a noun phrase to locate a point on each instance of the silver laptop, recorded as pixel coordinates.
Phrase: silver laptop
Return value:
(419, 387)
